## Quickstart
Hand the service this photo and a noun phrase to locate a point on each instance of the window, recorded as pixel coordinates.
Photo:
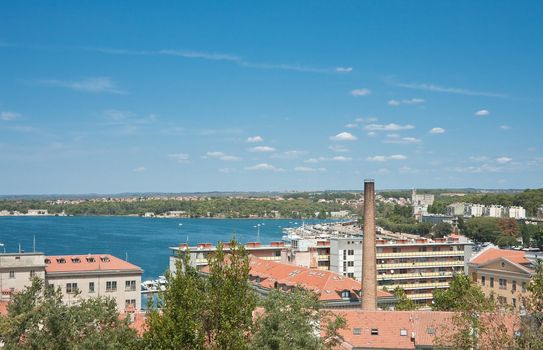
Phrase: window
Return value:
(350, 263)
(356, 331)
(351, 252)
(345, 294)
(90, 259)
(403, 332)
(431, 330)
(91, 287)
(514, 302)
(491, 282)
(104, 259)
(76, 260)
(374, 331)
(513, 286)
(61, 261)
(130, 302)
(350, 274)
(422, 249)
(483, 280)
(503, 283)
(502, 300)
(71, 288)
(32, 273)
(111, 286)
(524, 286)
(130, 285)
(396, 250)
(12, 274)
(474, 276)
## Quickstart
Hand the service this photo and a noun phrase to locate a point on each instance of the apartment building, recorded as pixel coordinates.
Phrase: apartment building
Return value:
(200, 253)
(474, 210)
(455, 209)
(85, 276)
(494, 211)
(505, 274)
(516, 212)
(17, 271)
(417, 265)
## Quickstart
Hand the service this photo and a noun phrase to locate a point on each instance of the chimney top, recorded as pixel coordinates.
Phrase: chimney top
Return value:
(369, 180)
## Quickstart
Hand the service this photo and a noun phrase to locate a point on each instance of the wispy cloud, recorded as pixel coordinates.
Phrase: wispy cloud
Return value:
(387, 158)
(360, 92)
(222, 156)
(505, 127)
(388, 127)
(293, 154)
(437, 131)
(503, 160)
(262, 149)
(482, 113)
(264, 167)
(213, 56)
(328, 159)
(93, 85)
(308, 169)
(366, 120)
(338, 148)
(254, 139)
(343, 136)
(444, 89)
(410, 101)
(401, 140)
(9, 116)
(180, 157)
(139, 169)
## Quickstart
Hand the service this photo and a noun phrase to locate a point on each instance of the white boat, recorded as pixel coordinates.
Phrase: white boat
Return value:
(149, 285)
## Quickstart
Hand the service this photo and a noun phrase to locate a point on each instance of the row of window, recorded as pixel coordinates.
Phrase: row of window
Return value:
(12, 274)
(111, 286)
(503, 283)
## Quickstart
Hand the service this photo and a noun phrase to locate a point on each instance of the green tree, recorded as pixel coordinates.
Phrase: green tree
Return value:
(531, 330)
(483, 229)
(442, 229)
(462, 295)
(38, 319)
(403, 302)
(289, 321)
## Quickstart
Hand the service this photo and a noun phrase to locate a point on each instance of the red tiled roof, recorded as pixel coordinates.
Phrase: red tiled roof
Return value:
(328, 284)
(416, 325)
(491, 253)
(91, 262)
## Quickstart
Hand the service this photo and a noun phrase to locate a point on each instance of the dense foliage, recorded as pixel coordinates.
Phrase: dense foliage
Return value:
(207, 207)
(403, 302)
(38, 319)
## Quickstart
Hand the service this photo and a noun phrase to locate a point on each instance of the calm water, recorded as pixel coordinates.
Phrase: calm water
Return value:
(144, 240)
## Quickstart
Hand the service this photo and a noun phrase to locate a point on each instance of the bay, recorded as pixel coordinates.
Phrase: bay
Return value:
(145, 241)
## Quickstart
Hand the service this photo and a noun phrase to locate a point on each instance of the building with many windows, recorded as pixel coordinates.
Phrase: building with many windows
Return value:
(103, 275)
(505, 274)
(17, 271)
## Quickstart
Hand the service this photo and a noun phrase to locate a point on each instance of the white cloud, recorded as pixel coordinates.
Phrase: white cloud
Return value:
(341, 159)
(366, 120)
(388, 127)
(410, 101)
(262, 149)
(328, 159)
(8, 116)
(386, 158)
(229, 158)
(478, 158)
(308, 169)
(254, 139)
(139, 169)
(179, 157)
(437, 131)
(343, 136)
(402, 140)
(360, 92)
(221, 156)
(482, 113)
(338, 148)
(264, 167)
(505, 127)
(372, 134)
(94, 85)
(503, 160)
(289, 154)
(344, 69)
(351, 125)
(215, 154)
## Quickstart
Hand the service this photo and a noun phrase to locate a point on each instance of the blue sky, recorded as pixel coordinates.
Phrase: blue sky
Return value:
(110, 97)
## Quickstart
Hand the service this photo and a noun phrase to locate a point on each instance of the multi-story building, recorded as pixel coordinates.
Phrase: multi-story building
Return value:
(474, 210)
(495, 211)
(200, 253)
(17, 271)
(516, 212)
(420, 203)
(505, 274)
(417, 265)
(85, 276)
(540, 212)
(455, 209)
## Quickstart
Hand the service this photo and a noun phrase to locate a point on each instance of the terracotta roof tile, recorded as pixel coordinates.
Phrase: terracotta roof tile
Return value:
(492, 253)
(90, 262)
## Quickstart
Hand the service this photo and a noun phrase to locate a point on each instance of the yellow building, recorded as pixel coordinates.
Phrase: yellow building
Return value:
(504, 274)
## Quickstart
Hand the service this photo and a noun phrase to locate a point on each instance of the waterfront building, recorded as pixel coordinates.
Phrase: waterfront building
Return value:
(505, 274)
(95, 275)
(200, 253)
(516, 212)
(37, 212)
(417, 265)
(17, 271)
(455, 209)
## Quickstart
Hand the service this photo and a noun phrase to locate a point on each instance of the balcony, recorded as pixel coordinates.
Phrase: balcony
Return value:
(416, 275)
(415, 286)
(420, 254)
(420, 264)
(323, 257)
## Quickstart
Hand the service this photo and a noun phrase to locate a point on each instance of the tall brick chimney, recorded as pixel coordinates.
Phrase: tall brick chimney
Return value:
(369, 275)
